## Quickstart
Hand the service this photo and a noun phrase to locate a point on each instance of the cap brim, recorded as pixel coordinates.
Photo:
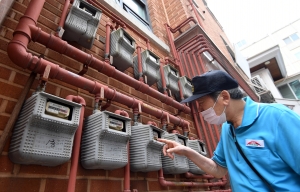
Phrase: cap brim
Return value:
(193, 97)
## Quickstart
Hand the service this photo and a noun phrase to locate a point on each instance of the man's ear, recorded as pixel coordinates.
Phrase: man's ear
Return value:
(225, 97)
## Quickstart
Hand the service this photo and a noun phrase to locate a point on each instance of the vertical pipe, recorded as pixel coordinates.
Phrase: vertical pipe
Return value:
(140, 67)
(107, 42)
(163, 80)
(62, 17)
(76, 146)
(197, 15)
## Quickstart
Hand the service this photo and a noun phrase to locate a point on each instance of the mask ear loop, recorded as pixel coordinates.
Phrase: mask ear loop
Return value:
(216, 100)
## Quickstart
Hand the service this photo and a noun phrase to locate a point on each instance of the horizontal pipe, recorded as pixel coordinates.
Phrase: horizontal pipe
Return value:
(165, 183)
(17, 52)
(63, 47)
(193, 176)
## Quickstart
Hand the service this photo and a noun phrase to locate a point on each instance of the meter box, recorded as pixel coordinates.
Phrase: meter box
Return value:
(200, 147)
(82, 23)
(145, 150)
(44, 131)
(104, 141)
(150, 67)
(179, 164)
(171, 78)
(186, 86)
(122, 47)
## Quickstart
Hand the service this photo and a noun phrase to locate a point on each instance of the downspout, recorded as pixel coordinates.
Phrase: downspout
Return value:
(17, 52)
(76, 145)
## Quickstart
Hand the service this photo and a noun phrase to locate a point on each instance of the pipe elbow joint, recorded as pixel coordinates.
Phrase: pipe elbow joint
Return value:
(17, 52)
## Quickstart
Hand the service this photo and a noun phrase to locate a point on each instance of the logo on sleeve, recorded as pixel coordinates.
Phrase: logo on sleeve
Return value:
(255, 143)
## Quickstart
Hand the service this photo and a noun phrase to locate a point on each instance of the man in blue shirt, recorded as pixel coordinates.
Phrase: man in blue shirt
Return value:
(268, 135)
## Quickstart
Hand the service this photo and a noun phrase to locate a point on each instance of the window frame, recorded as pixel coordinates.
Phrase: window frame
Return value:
(289, 39)
(126, 7)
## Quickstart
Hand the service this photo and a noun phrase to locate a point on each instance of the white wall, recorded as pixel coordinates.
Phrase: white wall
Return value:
(295, 103)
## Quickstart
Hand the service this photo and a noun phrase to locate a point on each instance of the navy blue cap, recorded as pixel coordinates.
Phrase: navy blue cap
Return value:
(210, 82)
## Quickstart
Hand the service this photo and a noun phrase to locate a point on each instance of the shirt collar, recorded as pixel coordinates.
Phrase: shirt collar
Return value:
(251, 112)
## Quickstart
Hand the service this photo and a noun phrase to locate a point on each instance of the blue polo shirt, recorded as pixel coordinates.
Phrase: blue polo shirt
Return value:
(270, 138)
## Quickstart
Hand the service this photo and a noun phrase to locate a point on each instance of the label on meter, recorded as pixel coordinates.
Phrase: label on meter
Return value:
(115, 124)
(57, 110)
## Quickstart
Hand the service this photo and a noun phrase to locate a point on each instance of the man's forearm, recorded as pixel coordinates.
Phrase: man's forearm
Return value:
(206, 164)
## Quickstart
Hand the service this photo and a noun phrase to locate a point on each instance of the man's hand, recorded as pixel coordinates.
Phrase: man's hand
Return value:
(173, 147)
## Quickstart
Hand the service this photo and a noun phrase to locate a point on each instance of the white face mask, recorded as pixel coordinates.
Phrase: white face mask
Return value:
(211, 117)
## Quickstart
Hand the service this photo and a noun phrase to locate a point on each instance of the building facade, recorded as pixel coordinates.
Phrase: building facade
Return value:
(130, 62)
(275, 60)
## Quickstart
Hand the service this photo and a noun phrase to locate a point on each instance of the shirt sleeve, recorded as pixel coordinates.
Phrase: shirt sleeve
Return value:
(218, 155)
(288, 134)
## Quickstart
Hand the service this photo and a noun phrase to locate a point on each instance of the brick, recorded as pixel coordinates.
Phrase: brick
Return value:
(4, 73)
(20, 184)
(100, 173)
(105, 186)
(152, 174)
(138, 94)
(38, 169)
(20, 79)
(119, 173)
(6, 164)
(3, 122)
(118, 85)
(140, 185)
(155, 186)
(10, 107)
(81, 185)
(56, 185)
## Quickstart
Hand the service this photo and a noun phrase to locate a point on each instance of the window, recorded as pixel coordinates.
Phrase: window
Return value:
(297, 55)
(295, 85)
(241, 43)
(138, 9)
(291, 38)
(290, 90)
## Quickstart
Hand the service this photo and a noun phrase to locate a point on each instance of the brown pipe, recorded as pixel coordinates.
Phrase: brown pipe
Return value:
(196, 123)
(171, 41)
(165, 183)
(63, 16)
(140, 67)
(63, 47)
(192, 176)
(197, 15)
(76, 145)
(152, 123)
(107, 42)
(163, 80)
(127, 172)
(122, 112)
(17, 52)
(178, 28)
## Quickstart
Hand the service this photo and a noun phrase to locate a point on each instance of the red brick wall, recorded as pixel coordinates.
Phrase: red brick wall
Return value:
(30, 178)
